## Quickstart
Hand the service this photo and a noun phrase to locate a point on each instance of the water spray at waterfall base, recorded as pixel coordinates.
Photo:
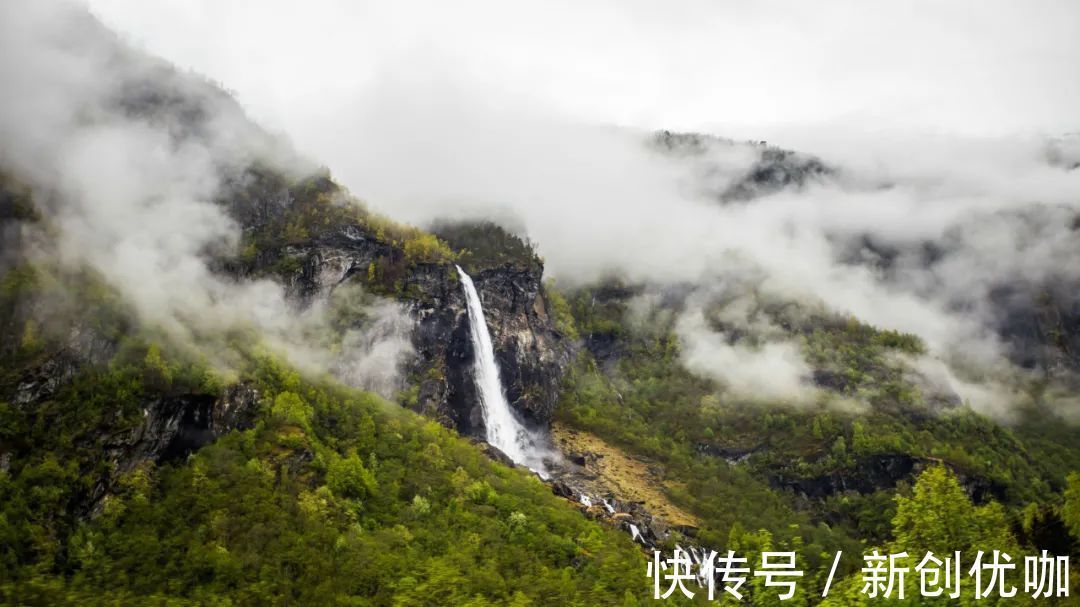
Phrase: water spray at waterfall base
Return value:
(504, 430)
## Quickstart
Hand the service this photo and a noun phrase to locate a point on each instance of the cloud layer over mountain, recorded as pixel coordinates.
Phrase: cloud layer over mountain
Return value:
(126, 155)
(937, 231)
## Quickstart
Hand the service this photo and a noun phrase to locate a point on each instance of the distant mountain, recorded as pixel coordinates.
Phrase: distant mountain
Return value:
(225, 380)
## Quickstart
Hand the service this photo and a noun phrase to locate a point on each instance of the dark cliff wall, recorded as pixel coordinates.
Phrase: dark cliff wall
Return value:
(342, 244)
(531, 354)
(88, 327)
(342, 247)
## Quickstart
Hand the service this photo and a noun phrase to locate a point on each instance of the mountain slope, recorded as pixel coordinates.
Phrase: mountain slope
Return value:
(223, 380)
(189, 455)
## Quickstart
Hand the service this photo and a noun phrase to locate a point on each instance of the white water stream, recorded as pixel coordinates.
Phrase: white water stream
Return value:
(503, 428)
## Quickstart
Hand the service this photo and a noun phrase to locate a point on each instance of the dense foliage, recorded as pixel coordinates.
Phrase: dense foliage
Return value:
(334, 497)
(824, 476)
(284, 217)
(485, 244)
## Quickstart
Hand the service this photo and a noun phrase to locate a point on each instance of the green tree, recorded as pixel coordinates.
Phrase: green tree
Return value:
(158, 372)
(290, 408)
(347, 477)
(940, 517)
(427, 248)
(1070, 511)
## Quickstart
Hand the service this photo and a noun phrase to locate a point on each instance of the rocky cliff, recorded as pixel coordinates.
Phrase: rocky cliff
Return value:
(530, 351)
(314, 239)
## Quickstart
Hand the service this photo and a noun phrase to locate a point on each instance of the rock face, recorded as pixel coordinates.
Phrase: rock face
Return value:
(616, 489)
(881, 472)
(876, 472)
(173, 427)
(530, 353)
(531, 356)
(774, 169)
(1041, 325)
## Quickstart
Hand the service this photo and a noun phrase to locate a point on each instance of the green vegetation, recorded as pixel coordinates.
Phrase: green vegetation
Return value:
(655, 410)
(334, 497)
(939, 517)
(559, 310)
(485, 244)
(782, 469)
(281, 515)
(15, 200)
(1070, 512)
(427, 248)
(287, 216)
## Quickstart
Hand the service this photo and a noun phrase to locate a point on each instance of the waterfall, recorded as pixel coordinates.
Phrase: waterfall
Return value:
(503, 428)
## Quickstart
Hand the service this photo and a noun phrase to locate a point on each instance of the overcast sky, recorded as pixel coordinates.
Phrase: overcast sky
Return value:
(748, 69)
(505, 111)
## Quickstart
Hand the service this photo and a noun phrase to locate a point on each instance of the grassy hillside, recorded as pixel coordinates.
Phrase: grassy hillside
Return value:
(815, 477)
(322, 495)
(334, 496)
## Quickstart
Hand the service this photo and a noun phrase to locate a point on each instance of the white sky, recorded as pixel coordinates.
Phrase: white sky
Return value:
(448, 109)
(746, 69)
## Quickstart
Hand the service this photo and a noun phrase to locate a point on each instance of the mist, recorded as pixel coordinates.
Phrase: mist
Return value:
(602, 201)
(130, 192)
(949, 184)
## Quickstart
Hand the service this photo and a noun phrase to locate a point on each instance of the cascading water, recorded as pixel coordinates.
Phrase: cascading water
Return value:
(503, 429)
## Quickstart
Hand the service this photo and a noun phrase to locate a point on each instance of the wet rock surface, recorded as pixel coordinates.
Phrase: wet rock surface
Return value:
(1042, 328)
(880, 472)
(530, 354)
(597, 491)
(171, 425)
(609, 486)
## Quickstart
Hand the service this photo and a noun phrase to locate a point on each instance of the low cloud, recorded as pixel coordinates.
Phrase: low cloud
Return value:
(772, 370)
(125, 157)
(370, 356)
(920, 235)
(924, 232)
